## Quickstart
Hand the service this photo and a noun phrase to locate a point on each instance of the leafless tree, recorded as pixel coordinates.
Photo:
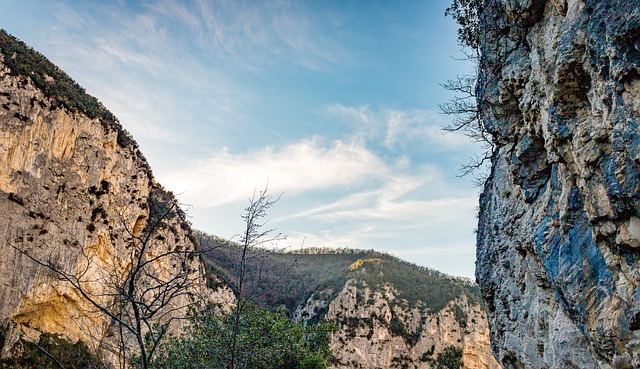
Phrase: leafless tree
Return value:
(141, 292)
(255, 235)
(488, 44)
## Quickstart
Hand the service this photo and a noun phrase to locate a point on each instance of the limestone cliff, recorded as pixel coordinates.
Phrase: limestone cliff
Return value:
(75, 192)
(377, 328)
(559, 230)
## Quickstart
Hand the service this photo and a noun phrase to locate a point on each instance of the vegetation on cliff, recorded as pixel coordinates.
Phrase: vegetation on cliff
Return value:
(50, 352)
(56, 85)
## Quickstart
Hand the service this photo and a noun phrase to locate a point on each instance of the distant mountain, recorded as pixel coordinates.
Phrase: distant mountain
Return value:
(389, 313)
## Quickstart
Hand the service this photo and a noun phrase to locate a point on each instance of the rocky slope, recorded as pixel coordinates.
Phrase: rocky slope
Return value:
(559, 230)
(389, 313)
(377, 329)
(75, 192)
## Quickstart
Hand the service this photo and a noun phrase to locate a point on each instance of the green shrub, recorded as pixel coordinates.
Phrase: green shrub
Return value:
(264, 340)
(449, 358)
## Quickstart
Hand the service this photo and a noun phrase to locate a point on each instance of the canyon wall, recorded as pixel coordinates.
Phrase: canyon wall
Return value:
(559, 230)
(76, 196)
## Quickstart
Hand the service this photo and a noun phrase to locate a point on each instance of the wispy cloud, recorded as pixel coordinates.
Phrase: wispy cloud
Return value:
(397, 127)
(255, 34)
(143, 70)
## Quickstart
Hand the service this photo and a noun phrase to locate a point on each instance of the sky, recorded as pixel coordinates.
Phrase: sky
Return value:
(332, 104)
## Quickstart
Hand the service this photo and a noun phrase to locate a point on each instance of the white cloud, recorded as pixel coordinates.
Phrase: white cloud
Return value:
(294, 168)
(383, 205)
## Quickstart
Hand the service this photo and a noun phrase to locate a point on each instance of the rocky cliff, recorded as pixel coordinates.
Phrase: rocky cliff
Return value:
(559, 230)
(77, 195)
(377, 329)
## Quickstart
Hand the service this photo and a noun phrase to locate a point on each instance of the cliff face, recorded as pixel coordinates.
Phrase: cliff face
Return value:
(559, 229)
(378, 329)
(74, 193)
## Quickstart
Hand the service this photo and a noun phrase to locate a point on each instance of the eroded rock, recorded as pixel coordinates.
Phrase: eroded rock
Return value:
(558, 259)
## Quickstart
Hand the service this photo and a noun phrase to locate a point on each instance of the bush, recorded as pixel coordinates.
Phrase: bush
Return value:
(263, 340)
(449, 358)
(467, 14)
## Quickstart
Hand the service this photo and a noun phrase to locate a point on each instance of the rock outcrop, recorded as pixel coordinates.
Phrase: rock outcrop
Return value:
(75, 193)
(559, 230)
(376, 328)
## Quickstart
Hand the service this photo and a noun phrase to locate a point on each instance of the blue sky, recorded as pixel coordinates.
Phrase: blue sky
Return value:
(333, 103)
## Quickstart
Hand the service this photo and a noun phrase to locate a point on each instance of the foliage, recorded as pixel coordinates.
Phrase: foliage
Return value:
(449, 358)
(419, 286)
(467, 14)
(51, 351)
(277, 278)
(265, 340)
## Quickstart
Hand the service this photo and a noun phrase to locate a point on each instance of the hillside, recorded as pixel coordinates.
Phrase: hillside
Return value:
(389, 313)
(288, 278)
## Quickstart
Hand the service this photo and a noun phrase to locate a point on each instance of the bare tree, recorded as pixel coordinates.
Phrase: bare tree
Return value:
(471, 102)
(465, 106)
(248, 271)
(255, 235)
(467, 118)
(142, 292)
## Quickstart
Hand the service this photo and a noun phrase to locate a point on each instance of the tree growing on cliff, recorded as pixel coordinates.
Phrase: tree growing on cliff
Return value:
(465, 107)
(449, 358)
(467, 14)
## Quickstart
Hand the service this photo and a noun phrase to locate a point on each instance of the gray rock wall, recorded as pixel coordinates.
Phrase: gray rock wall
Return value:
(559, 230)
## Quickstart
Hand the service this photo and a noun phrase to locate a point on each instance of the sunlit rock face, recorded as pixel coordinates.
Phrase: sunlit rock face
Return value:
(559, 229)
(74, 191)
(377, 329)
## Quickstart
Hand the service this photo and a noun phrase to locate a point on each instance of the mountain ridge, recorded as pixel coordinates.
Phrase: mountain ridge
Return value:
(389, 312)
